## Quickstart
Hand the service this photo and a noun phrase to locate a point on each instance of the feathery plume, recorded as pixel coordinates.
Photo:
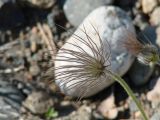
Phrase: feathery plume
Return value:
(146, 53)
(85, 66)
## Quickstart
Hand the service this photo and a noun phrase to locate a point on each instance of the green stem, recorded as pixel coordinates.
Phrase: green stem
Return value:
(130, 93)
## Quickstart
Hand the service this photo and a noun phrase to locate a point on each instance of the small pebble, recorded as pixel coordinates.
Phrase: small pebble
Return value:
(83, 113)
(158, 36)
(149, 5)
(33, 46)
(38, 102)
(108, 108)
(155, 17)
(132, 106)
(154, 94)
(34, 69)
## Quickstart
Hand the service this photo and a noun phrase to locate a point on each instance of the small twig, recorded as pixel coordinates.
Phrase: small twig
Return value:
(48, 38)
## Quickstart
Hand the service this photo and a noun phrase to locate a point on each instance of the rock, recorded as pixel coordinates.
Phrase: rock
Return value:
(34, 69)
(133, 106)
(33, 46)
(83, 113)
(139, 73)
(154, 94)
(11, 95)
(29, 117)
(38, 102)
(110, 22)
(140, 21)
(2, 2)
(154, 18)
(149, 5)
(40, 3)
(156, 116)
(7, 111)
(108, 108)
(10, 101)
(158, 36)
(77, 11)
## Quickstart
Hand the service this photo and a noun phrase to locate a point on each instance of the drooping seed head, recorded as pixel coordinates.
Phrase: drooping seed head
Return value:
(146, 53)
(83, 64)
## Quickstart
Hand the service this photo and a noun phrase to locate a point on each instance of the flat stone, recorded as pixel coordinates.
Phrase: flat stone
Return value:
(110, 22)
(76, 11)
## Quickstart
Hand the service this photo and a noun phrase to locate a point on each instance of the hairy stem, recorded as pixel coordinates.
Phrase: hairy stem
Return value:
(130, 93)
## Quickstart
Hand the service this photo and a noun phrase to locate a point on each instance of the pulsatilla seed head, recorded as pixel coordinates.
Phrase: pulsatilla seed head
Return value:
(83, 64)
(146, 53)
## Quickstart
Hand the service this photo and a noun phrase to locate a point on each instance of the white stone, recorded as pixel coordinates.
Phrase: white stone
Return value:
(110, 22)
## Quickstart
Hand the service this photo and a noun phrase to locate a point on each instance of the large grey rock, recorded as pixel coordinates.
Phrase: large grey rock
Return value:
(110, 22)
(76, 10)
